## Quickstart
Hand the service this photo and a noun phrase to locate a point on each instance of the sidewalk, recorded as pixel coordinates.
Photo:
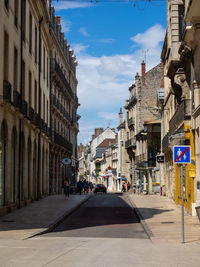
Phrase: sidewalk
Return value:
(39, 217)
(161, 218)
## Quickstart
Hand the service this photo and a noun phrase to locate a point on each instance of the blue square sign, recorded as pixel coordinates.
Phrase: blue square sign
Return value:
(182, 154)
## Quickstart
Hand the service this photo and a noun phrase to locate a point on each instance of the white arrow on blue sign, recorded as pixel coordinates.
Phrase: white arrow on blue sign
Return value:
(182, 154)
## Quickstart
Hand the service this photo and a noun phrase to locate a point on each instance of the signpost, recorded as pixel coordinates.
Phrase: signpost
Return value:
(182, 155)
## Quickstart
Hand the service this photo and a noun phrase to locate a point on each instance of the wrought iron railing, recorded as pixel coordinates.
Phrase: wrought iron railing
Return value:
(182, 113)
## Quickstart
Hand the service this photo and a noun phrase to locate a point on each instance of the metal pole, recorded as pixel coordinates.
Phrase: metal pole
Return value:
(160, 179)
(182, 208)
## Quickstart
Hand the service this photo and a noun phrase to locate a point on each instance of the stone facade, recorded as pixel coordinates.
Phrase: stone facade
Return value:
(179, 73)
(142, 125)
(24, 109)
(63, 106)
(28, 46)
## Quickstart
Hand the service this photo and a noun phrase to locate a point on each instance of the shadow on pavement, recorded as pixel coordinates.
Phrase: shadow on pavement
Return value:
(104, 216)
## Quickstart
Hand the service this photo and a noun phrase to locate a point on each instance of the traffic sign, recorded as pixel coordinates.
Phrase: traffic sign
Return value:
(160, 158)
(182, 154)
(67, 161)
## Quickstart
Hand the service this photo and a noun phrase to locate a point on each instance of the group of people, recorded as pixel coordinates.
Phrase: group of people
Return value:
(126, 187)
(82, 186)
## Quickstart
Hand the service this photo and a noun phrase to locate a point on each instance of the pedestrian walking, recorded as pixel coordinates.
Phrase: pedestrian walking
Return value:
(80, 186)
(124, 187)
(66, 188)
(91, 186)
(138, 186)
(128, 186)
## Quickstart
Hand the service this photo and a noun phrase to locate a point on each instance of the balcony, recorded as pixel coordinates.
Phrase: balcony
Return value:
(130, 143)
(17, 99)
(55, 66)
(165, 142)
(141, 158)
(181, 114)
(24, 108)
(132, 101)
(6, 91)
(31, 114)
(131, 122)
(61, 141)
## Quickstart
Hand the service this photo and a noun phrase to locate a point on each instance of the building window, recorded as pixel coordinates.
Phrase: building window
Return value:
(23, 79)
(44, 106)
(30, 33)
(6, 3)
(47, 111)
(22, 167)
(24, 19)
(47, 72)
(16, 12)
(43, 170)
(35, 102)
(34, 181)
(30, 89)
(15, 68)
(3, 146)
(36, 44)
(44, 63)
(29, 169)
(13, 166)
(6, 55)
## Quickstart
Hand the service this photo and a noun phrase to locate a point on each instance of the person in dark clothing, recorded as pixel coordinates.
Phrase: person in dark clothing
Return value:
(66, 188)
(80, 186)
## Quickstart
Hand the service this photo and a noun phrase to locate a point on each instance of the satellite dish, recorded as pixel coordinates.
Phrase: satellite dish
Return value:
(67, 161)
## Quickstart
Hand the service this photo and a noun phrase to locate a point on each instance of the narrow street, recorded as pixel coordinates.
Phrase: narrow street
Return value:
(104, 231)
(103, 216)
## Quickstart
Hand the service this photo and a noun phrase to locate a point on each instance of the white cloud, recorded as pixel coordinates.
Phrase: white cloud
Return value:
(151, 38)
(108, 116)
(79, 48)
(60, 5)
(83, 31)
(104, 81)
(66, 24)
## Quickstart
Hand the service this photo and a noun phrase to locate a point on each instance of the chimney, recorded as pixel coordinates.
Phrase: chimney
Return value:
(120, 116)
(143, 72)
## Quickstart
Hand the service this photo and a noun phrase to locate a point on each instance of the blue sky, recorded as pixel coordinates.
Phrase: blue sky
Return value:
(109, 40)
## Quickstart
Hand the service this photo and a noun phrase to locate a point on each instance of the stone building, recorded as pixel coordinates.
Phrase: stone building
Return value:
(191, 41)
(103, 162)
(63, 107)
(142, 126)
(98, 137)
(24, 109)
(123, 158)
(180, 58)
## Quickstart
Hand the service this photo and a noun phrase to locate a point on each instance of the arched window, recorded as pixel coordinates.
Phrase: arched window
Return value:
(34, 185)
(43, 170)
(29, 169)
(3, 150)
(13, 166)
(22, 168)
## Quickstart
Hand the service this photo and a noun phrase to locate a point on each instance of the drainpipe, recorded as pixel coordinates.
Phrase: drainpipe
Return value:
(39, 110)
(20, 120)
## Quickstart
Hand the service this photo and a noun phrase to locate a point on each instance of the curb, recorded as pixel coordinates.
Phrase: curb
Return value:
(56, 222)
(142, 220)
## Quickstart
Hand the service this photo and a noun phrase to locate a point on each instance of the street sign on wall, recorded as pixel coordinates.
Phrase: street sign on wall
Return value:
(67, 161)
(182, 154)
